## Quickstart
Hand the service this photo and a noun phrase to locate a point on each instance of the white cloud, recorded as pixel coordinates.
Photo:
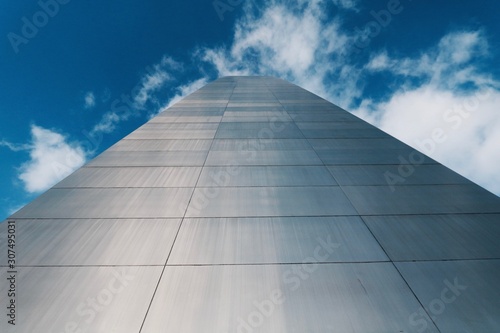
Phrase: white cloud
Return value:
(52, 158)
(128, 105)
(301, 46)
(89, 100)
(346, 4)
(456, 126)
(183, 91)
(154, 80)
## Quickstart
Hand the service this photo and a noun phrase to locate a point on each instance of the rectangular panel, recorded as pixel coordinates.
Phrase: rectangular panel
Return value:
(108, 203)
(149, 158)
(372, 143)
(371, 156)
(265, 176)
(269, 201)
(161, 145)
(393, 175)
(81, 299)
(166, 126)
(274, 240)
(422, 199)
(437, 237)
(186, 119)
(461, 296)
(311, 116)
(260, 144)
(257, 113)
(83, 242)
(171, 134)
(255, 119)
(191, 112)
(280, 157)
(268, 130)
(132, 177)
(334, 298)
(345, 133)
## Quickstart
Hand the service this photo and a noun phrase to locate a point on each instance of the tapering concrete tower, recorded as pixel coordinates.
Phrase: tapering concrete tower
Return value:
(253, 205)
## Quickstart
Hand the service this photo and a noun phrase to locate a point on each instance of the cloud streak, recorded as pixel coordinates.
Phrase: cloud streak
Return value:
(51, 158)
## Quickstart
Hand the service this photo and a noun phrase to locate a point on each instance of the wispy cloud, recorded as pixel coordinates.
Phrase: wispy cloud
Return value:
(143, 94)
(154, 80)
(89, 100)
(183, 91)
(302, 46)
(51, 158)
(451, 114)
(347, 4)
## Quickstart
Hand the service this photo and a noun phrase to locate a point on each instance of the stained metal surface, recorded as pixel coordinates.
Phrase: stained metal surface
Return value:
(265, 176)
(256, 206)
(437, 237)
(334, 298)
(132, 177)
(422, 199)
(89, 299)
(345, 156)
(265, 130)
(394, 175)
(150, 158)
(269, 201)
(108, 203)
(162, 145)
(266, 157)
(93, 241)
(259, 144)
(461, 296)
(275, 240)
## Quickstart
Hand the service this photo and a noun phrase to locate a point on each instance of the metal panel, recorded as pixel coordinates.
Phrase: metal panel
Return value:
(310, 116)
(437, 237)
(345, 133)
(422, 199)
(461, 296)
(149, 158)
(167, 126)
(186, 119)
(132, 177)
(269, 201)
(93, 241)
(171, 134)
(403, 174)
(371, 156)
(274, 240)
(266, 176)
(280, 157)
(108, 203)
(161, 145)
(81, 299)
(266, 130)
(357, 143)
(335, 298)
(260, 144)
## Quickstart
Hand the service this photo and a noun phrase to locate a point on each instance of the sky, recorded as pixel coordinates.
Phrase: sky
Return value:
(76, 76)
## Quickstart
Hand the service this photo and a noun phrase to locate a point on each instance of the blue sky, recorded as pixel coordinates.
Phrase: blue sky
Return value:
(78, 76)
